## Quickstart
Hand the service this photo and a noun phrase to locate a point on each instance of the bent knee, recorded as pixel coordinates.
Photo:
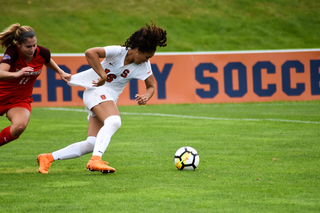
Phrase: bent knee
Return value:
(17, 129)
(114, 121)
(117, 122)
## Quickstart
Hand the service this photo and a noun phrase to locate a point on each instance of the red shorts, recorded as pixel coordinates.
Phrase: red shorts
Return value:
(23, 104)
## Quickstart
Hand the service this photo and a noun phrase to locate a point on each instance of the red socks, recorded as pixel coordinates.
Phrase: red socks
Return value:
(5, 136)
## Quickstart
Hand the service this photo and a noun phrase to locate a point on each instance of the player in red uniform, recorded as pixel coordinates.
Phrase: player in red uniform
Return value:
(19, 68)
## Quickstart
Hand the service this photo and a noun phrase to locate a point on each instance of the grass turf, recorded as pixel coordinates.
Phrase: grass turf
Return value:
(253, 157)
(72, 26)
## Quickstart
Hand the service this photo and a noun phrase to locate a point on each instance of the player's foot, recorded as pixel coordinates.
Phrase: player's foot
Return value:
(44, 161)
(97, 164)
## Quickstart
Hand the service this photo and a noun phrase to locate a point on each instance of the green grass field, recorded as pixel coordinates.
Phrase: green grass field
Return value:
(254, 157)
(72, 26)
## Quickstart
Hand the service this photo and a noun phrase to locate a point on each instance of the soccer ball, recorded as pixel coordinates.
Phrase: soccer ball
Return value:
(186, 158)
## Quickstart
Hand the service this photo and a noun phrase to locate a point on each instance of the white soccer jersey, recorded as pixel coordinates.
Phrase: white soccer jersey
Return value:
(118, 74)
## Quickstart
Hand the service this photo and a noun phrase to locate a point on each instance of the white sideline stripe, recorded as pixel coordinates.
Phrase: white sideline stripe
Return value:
(195, 117)
(206, 52)
(211, 52)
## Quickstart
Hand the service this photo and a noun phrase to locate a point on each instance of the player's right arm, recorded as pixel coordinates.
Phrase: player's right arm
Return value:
(5, 74)
(93, 56)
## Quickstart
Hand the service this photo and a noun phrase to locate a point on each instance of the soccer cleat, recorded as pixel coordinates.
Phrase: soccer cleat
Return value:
(44, 161)
(97, 164)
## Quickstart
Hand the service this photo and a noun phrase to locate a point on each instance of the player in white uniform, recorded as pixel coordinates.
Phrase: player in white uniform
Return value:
(104, 83)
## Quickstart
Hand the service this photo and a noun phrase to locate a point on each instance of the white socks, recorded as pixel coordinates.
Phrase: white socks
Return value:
(97, 145)
(75, 150)
(111, 125)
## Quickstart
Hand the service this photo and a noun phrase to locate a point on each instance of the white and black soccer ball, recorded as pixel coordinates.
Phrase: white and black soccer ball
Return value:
(186, 158)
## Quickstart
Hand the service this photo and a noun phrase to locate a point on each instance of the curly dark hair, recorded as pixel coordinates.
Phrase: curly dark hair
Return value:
(147, 38)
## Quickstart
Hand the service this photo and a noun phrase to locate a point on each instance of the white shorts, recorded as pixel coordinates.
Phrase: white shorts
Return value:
(94, 96)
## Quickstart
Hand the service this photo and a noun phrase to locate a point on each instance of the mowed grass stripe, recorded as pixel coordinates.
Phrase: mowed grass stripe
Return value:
(195, 117)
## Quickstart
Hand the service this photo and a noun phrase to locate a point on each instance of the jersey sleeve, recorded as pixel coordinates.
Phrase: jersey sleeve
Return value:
(144, 72)
(45, 53)
(112, 51)
(10, 56)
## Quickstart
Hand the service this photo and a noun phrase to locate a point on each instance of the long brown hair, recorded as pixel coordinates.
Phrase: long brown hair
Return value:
(13, 33)
(147, 38)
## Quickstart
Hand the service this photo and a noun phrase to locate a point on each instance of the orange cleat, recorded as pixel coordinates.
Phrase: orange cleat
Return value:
(97, 164)
(44, 161)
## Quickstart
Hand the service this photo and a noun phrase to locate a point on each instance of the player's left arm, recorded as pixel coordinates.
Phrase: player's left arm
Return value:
(53, 66)
(143, 99)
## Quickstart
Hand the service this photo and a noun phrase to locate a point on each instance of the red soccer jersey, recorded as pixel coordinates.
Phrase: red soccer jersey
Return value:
(20, 89)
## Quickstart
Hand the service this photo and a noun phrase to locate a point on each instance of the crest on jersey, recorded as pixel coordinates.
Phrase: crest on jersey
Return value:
(6, 57)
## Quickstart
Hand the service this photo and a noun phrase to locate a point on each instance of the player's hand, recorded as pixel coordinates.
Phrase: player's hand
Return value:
(65, 76)
(141, 99)
(24, 71)
(100, 81)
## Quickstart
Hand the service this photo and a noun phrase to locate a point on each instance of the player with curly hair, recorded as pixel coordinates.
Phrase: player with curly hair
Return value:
(104, 82)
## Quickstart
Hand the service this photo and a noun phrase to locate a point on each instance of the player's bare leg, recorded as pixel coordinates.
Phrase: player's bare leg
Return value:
(19, 118)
